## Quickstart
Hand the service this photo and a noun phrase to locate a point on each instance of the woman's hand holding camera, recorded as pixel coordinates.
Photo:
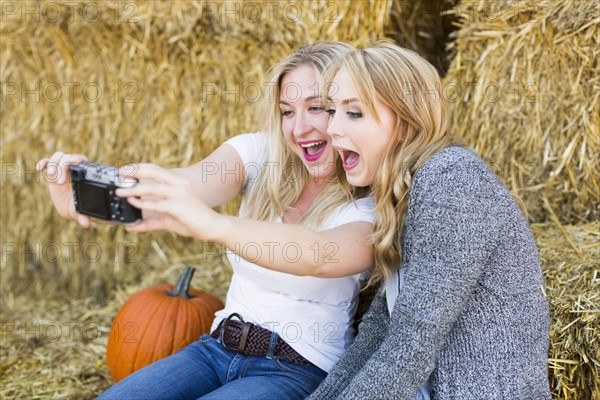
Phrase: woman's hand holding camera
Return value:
(172, 199)
(166, 199)
(59, 184)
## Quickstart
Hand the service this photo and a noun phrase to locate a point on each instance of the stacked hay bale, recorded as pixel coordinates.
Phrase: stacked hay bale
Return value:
(571, 265)
(524, 88)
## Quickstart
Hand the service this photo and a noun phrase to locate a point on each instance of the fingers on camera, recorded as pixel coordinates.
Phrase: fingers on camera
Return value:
(83, 220)
(41, 164)
(57, 165)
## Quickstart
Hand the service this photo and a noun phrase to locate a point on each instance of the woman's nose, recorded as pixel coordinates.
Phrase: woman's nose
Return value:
(302, 125)
(333, 128)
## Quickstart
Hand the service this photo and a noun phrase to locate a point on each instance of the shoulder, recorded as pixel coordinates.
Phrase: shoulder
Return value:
(457, 184)
(241, 143)
(451, 160)
(361, 209)
(455, 175)
(363, 203)
(252, 149)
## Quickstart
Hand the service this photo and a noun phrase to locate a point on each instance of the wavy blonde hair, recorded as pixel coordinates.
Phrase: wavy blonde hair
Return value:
(284, 176)
(411, 88)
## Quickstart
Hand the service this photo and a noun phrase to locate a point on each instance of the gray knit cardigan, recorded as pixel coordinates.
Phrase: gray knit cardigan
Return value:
(472, 318)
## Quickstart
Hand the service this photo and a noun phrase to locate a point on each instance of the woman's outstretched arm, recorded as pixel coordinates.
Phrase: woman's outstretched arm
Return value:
(294, 249)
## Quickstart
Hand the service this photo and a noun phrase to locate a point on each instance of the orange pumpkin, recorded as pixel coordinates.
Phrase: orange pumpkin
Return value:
(157, 322)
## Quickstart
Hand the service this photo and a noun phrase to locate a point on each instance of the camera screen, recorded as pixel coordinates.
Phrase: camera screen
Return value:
(92, 200)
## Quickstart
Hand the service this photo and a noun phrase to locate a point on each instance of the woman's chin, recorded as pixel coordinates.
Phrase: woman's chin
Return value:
(358, 180)
(321, 171)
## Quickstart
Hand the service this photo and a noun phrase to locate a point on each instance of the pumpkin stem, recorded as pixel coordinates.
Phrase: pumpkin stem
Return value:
(183, 283)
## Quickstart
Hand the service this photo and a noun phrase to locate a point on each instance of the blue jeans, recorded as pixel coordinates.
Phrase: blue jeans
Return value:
(424, 393)
(206, 370)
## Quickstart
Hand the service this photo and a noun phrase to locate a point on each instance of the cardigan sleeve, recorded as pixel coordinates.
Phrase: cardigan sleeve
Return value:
(450, 230)
(371, 332)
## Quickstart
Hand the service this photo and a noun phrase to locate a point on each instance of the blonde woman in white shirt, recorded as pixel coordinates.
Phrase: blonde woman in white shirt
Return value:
(286, 321)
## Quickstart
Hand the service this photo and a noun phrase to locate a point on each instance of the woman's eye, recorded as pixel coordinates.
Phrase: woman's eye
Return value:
(354, 114)
(286, 113)
(316, 109)
(330, 111)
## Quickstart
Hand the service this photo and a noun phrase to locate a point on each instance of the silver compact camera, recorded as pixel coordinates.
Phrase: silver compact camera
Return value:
(94, 188)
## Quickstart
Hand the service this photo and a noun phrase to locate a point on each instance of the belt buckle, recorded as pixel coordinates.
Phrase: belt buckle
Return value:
(245, 326)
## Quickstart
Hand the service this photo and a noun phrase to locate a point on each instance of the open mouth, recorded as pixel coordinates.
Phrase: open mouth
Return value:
(313, 150)
(349, 159)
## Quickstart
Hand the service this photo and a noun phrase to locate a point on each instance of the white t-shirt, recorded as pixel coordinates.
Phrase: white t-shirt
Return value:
(313, 315)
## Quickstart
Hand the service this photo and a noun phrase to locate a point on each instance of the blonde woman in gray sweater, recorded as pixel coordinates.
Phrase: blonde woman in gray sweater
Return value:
(461, 313)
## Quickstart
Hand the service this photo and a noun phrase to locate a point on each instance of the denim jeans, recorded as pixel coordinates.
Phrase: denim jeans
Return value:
(206, 370)
(424, 393)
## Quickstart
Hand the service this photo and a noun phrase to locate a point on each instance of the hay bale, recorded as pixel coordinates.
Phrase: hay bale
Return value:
(58, 350)
(571, 264)
(524, 87)
(53, 352)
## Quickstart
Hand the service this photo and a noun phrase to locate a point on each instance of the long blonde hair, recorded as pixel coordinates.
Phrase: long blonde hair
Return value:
(284, 176)
(411, 88)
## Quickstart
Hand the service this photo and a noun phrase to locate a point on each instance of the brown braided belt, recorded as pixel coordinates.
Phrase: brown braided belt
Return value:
(252, 340)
